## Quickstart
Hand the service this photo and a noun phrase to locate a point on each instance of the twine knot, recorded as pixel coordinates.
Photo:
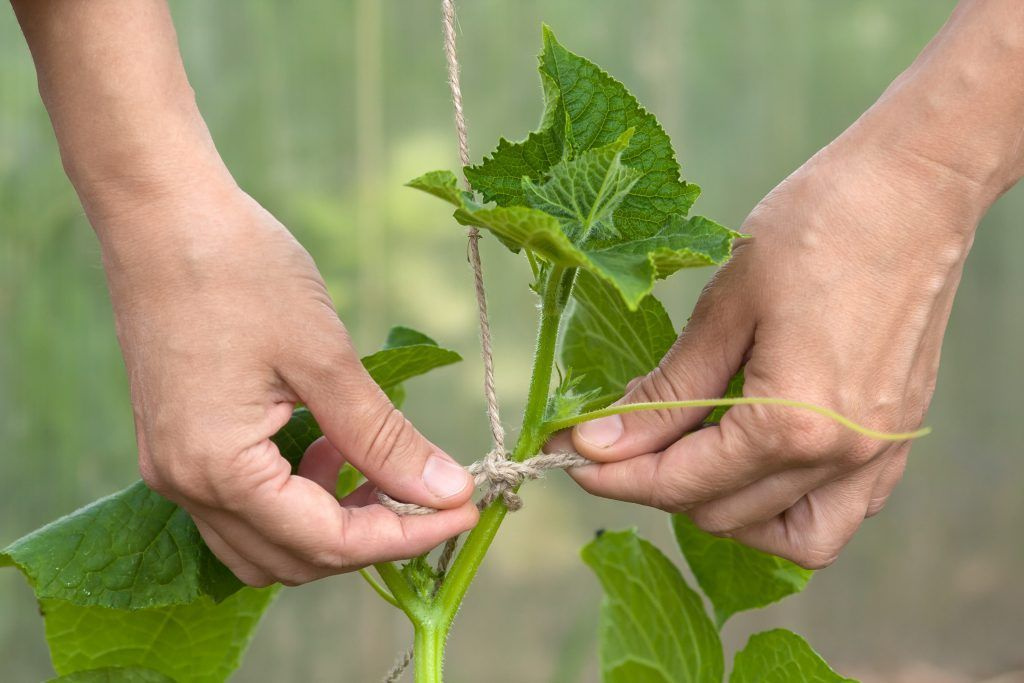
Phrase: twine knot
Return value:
(499, 477)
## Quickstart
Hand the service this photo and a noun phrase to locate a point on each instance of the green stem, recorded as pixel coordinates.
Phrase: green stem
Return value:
(556, 425)
(405, 597)
(531, 438)
(428, 653)
(378, 588)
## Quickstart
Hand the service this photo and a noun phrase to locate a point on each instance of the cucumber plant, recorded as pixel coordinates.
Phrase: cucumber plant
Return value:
(595, 201)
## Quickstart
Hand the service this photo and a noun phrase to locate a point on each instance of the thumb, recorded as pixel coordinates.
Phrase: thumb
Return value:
(359, 420)
(699, 365)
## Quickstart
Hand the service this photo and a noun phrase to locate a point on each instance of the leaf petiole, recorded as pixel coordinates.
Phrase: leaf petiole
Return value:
(379, 588)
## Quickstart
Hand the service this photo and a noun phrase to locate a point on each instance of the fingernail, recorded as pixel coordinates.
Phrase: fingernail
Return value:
(602, 432)
(444, 478)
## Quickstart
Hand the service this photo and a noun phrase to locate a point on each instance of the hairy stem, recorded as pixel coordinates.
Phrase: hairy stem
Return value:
(405, 597)
(531, 438)
(428, 653)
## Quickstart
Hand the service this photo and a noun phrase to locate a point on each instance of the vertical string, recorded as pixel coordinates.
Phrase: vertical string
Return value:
(486, 353)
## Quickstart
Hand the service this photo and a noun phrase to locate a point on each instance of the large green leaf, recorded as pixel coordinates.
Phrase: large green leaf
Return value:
(653, 626)
(631, 267)
(597, 187)
(131, 550)
(586, 108)
(604, 345)
(199, 642)
(734, 577)
(781, 656)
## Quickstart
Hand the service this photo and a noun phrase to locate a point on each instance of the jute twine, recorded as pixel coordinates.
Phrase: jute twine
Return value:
(495, 473)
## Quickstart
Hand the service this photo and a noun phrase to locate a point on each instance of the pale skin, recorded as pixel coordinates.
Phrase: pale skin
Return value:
(841, 297)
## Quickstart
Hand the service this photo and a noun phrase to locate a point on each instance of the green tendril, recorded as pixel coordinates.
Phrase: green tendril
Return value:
(556, 425)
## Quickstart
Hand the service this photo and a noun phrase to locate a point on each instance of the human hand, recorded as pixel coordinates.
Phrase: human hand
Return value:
(225, 324)
(840, 298)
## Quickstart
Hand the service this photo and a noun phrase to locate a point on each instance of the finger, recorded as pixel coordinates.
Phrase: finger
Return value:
(275, 561)
(776, 493)
(298, 516)
(560, 442)
(247, 572)
(706, 355)
(889, 476)
(702, 466)
(321, 463)
(815, 530)
(360, 422)
(757, 502)
(365, 494)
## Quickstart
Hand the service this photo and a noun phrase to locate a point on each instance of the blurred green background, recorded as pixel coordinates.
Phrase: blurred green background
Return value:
(323, 109)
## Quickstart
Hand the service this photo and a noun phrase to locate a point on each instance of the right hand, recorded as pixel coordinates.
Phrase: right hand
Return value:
(225, 325)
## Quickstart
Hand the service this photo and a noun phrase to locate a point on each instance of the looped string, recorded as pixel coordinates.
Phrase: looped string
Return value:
(500, 477)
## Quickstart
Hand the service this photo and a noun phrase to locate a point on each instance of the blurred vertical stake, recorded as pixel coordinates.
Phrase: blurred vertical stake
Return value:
(371, 236)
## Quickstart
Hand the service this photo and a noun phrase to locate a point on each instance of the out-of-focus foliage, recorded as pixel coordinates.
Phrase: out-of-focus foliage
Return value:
(322, 110)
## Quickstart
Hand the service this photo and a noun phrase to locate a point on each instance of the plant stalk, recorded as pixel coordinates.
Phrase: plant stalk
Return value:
(428, 653)
(530, 441)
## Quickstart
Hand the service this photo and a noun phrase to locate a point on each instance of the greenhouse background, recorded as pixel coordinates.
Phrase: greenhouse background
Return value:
(322, 110)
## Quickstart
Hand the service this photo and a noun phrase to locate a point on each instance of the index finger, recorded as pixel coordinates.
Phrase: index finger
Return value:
(703, 465)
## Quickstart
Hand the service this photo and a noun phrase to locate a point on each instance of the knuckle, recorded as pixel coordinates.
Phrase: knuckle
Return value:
(815, 557)
(392, 436)
(675, 492)
(658, 386)
(256, 581)
(797, 437)
(151, 476)
(182, 476)
(875, 506)
(860, 450)
(713, 521)
(297, 577)
(334, 560)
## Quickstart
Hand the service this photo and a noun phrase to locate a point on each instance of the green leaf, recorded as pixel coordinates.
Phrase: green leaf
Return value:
(653, 626)
(584, 192)
(399, 336)
(114, 675)
(131, 550)
(781, 656)
(199, 642)
(597, 187)
(407, 353)
(734, 577)
(295, 437)
(605, 345)
(567, 400)
(391, 367)
(585, 108)
(349, 479)
(682, 243)
(630, 267)
(734, 390)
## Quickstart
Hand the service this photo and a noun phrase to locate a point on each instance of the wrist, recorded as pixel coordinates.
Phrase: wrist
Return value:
(154, 162)
(957, 109)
